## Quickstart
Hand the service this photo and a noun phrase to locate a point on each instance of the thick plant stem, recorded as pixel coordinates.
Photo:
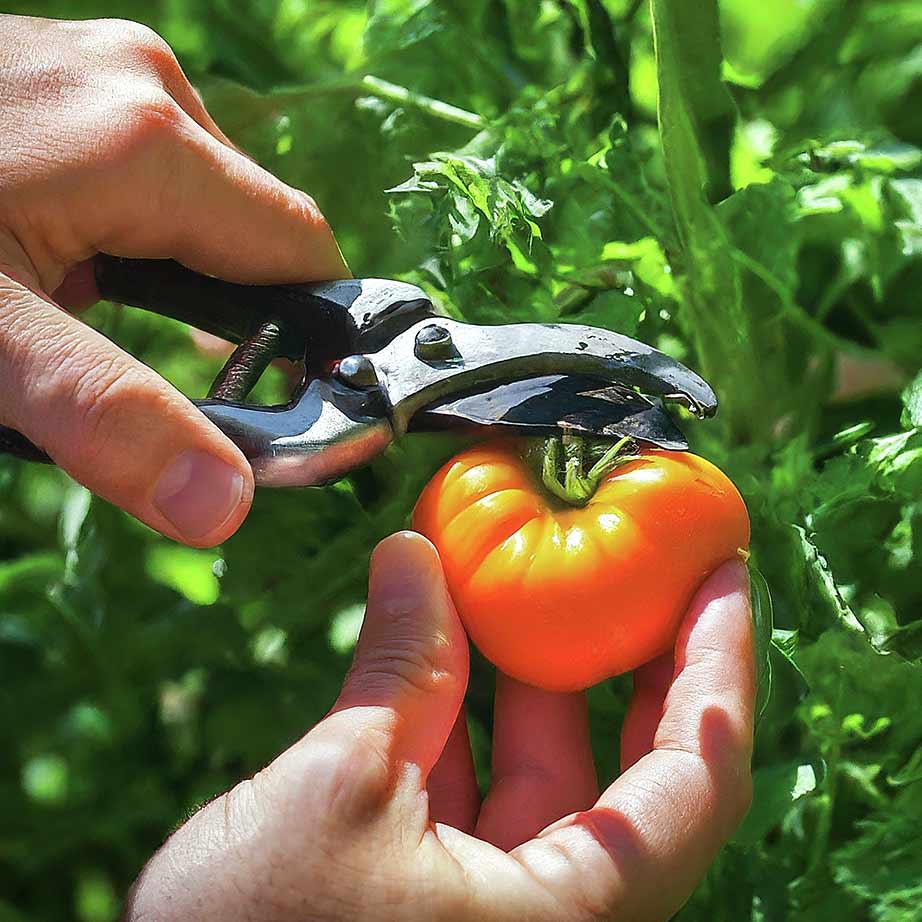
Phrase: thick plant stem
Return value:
(391, 92)
(383, 89)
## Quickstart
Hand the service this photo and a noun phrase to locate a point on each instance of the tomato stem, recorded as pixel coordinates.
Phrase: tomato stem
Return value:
(578, 485)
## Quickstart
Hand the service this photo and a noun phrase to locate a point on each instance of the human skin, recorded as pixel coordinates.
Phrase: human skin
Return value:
(375, 813)
(107, 148)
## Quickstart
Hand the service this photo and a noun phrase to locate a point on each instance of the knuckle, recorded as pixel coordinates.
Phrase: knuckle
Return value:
(308, 212)
(140, 43)
(101, 400)
(411, 665)
(95, 401)
(364, 780)
(565, 895)
(346, 780)
(240, 810)
(307, 204)
(154, 51)
(151, 119)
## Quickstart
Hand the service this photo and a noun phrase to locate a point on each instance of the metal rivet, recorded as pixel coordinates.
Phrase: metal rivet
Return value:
(434, 342)
(358, 371)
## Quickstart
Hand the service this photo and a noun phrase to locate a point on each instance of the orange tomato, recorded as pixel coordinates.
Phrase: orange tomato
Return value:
(562, 597)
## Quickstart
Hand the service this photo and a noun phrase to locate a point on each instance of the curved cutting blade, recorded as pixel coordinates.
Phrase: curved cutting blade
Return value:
(556, 403)
(441, 359)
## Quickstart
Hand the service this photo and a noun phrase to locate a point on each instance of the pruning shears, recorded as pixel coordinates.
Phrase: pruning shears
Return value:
(380, 362)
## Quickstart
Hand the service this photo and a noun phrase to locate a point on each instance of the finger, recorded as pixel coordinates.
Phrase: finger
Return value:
(208, 206)
(143, 53)
(653, 833)
(411, 659)
(454, 798)
(651, 683)
(147, 53)
(405, 689)
(542, 762)
(151, 174)
(116, 426)
(161, 185)
(312, 806)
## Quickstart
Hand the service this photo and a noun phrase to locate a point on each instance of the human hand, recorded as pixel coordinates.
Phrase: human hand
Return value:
(107, 148)
(375, 813)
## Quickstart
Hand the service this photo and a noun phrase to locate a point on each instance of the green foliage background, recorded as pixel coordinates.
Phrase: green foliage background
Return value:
(768, 229)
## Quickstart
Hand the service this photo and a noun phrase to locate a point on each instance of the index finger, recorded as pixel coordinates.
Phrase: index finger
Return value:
(174, 185)
(651, 835)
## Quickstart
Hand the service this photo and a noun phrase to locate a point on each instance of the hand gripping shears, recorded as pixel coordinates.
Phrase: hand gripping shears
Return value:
(379, 362)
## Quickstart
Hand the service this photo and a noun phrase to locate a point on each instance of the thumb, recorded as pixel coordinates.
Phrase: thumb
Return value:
(114, 424)
(409, 673)
(396, 709)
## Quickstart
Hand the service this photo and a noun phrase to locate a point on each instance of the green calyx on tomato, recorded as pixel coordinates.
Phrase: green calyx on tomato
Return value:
(564, 461)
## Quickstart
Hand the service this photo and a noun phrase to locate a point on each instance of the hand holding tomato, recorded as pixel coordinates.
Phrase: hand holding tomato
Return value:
(375, 813)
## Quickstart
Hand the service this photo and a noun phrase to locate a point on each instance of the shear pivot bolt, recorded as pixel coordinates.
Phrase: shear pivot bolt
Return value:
(357, 371)
(434, 342)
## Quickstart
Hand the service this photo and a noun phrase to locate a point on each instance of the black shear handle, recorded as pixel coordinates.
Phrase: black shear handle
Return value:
(301, 316)
(318, 322)
(232, 311)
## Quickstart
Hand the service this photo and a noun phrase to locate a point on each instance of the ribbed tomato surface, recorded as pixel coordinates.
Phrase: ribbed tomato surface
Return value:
(562, 597)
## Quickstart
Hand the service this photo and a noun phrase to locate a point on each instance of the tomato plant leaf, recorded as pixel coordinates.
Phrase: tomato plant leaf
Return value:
(912, 404)
(762, 624)
(775, 789)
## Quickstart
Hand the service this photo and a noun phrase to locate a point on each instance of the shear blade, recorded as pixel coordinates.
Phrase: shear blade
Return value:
(553, 403)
